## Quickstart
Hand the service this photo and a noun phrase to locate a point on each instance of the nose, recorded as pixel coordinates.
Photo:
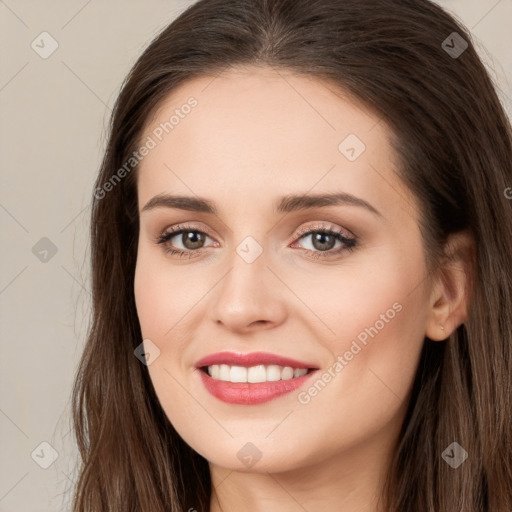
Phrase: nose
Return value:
(249, 297)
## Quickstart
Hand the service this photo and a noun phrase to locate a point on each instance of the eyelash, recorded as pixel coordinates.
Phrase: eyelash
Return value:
(349, 243)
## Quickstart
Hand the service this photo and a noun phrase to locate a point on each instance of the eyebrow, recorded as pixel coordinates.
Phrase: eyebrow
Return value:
(286, 204)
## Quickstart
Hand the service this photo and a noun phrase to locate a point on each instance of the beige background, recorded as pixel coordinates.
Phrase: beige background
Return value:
(52, 134)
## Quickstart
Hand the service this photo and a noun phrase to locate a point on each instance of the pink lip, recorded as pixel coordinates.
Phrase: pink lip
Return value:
(251, 359)
(249, 393)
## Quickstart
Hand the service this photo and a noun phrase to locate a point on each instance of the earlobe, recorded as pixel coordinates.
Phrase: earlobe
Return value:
(438, 327)
(451, 294)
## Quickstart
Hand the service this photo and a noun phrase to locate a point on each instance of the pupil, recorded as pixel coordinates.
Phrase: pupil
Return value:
(192, 239)
(320, 243)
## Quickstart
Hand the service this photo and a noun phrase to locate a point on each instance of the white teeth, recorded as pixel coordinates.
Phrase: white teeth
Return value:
(256, 373)
(253, 374)
(238, 374)
(274, 372)
(224, 373)
(287, 373)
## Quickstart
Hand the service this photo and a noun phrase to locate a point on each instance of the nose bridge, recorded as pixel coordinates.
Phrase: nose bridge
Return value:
(250, 250)
(248, 269)
(247, 294)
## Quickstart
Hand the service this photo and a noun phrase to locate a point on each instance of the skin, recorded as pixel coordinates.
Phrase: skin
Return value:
(257, 135)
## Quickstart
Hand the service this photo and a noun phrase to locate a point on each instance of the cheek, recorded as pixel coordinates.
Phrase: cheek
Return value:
(169, 303)
(150, 298)
(162, 306)
(379, 317)
(369, 296)
(160, 295)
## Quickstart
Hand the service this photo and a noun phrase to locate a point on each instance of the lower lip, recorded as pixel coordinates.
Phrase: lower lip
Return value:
(247, 393)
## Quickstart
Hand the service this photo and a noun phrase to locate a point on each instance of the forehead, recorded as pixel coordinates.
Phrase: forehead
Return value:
(262, 129)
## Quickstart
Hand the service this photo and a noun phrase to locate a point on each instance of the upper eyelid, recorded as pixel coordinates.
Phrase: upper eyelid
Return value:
(325, 227)
(301, 233)
(174, 230)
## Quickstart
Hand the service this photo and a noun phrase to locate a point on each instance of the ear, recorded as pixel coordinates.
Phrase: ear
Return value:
(451, 291)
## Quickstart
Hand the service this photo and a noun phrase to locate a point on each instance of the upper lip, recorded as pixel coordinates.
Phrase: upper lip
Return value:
(251, 359)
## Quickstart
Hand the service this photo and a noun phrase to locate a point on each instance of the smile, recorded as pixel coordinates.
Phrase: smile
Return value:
(252, 378)
(254, 374)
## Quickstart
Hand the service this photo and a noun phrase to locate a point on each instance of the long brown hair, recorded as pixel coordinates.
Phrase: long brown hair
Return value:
(453, 141)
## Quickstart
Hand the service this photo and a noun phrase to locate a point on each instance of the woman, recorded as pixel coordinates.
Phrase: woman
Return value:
(301, 263)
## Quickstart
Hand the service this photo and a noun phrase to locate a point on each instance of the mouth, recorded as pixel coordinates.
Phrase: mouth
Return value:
(252, 378)
(254, 374)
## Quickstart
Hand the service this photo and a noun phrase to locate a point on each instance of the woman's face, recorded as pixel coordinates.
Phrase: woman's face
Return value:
(258, 275)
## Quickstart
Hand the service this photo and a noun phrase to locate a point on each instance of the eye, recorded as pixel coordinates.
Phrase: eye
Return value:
(191, 239)
(323, 240)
